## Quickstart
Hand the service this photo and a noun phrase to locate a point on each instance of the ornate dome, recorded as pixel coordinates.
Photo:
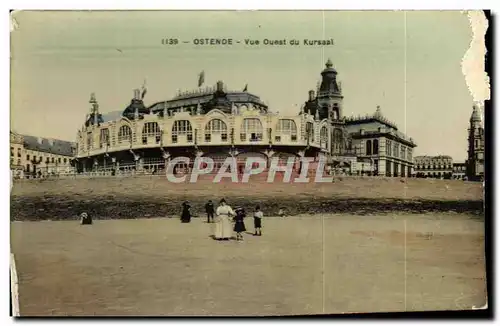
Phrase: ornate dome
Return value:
(135, 104)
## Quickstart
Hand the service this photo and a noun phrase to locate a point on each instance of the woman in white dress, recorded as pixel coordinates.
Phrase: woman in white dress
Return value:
(223, 230)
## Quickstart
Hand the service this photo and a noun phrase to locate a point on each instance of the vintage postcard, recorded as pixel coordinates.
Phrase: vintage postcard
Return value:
(247, 163)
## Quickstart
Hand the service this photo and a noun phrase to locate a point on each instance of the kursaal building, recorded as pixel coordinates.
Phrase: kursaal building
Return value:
(217, 123)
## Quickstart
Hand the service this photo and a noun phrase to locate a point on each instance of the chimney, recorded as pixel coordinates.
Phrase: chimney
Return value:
(311, 95)
(220, 86)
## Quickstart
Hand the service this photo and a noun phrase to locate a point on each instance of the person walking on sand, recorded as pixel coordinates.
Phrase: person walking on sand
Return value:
(239, 224)
(209, 208)
(257, 221)
(186, 213)
(223, 225)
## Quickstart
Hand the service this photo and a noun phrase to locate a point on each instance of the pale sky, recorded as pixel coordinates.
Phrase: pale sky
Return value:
(59, 58)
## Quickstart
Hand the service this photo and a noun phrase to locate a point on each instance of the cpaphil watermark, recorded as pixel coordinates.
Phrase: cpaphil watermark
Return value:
(296, 170)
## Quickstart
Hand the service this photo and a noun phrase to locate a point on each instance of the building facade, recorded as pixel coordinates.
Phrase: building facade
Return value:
(440, 167)
(40, 157)
(377, 140)
(217, 123)
(475, 152)
(459, 171)
(16, 153)
(148, 141)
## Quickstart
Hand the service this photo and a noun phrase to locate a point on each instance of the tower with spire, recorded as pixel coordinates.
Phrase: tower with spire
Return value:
(94, 118)
(330, 95)
(327, 104)
(328, 98)
(475, 153)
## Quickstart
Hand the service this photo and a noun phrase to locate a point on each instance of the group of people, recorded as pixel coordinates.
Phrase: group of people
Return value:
(225, 216)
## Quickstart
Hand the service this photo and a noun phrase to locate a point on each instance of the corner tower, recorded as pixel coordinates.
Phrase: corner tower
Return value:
(329, 97)
(327, 104)
(475, 153)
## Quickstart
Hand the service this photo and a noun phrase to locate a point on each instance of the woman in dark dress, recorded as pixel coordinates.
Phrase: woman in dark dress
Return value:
(239, 225)
(85, 219)
(186, 213)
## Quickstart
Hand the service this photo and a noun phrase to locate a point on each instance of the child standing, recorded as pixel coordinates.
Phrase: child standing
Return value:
(257, 221)
(239, 225)
(209, 208)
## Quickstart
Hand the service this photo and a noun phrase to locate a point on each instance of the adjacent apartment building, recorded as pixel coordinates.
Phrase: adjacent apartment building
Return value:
(32, 156)
(378, 142)
(440, 166)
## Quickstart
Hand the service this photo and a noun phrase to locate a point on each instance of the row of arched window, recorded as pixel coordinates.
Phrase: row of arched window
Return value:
(337, 142)
(251, 128)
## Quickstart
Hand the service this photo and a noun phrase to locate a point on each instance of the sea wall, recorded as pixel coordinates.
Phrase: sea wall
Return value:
(155, 196)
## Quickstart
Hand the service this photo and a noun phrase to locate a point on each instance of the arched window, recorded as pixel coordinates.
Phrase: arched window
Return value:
(90, 141)
(182, 128)
(215, 127)
(338, 141)
(151, 129)
(335, 112)
(124, 134)
(369, 147)
(375, 147)
(286, 127)
(251, 128)
(323, 137)
(104, 137)
(310, 131)
(349, 144)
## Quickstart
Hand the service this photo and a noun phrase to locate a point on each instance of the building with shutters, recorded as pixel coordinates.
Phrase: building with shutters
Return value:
(440, 167)
(32, 156)
(459, 171)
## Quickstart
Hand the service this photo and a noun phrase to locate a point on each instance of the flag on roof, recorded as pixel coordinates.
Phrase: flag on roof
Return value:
(201, 78)
(144, 90)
